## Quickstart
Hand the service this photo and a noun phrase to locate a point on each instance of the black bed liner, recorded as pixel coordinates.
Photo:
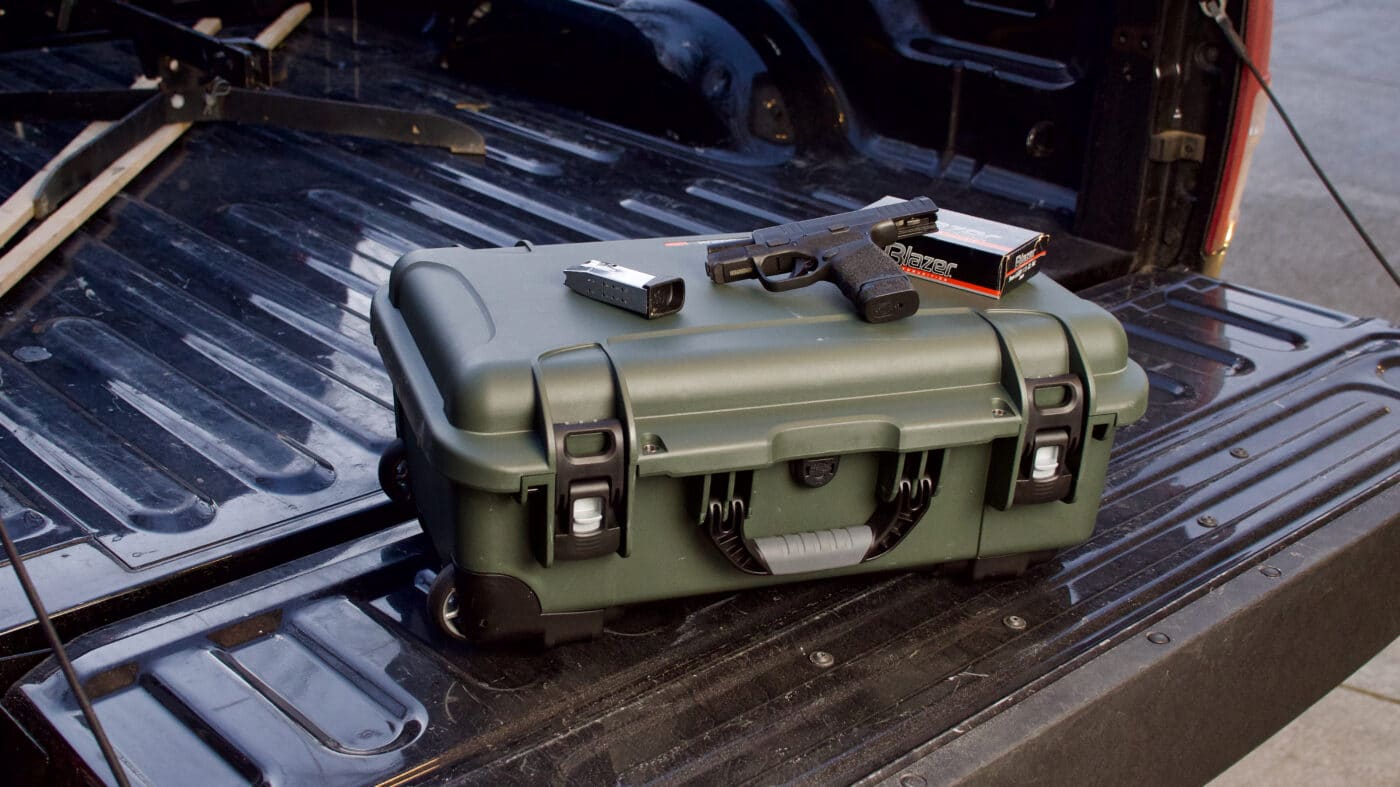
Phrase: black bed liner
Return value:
(188, 390)
(1269, 421)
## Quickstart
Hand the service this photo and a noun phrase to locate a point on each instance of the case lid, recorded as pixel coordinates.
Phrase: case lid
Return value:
(489, 348)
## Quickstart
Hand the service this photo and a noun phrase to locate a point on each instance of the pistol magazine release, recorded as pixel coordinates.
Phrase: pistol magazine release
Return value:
(846, 249)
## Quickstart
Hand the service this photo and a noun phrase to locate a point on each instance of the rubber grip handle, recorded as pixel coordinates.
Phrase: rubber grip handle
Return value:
(876, 284)
(816, 550)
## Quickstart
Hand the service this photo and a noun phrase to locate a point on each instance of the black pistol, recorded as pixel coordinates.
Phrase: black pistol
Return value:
(846, 249)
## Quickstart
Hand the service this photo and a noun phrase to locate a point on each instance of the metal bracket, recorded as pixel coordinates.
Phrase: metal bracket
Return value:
(1169, 146)
(139, 112)
(241, 62)
(211, 84)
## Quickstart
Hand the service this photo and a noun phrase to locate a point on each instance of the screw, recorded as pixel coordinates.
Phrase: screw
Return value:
(649, 448)
(177, 101)
(1239, 453)
(998, 413)
(1270, 572)
(912, 780)
(1206, 520)
(1014, 622)
(1158, 638)
(821, 658)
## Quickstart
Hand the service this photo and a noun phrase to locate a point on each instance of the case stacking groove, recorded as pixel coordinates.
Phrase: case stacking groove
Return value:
(568, 458)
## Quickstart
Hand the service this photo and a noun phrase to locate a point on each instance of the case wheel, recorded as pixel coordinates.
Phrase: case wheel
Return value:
(1005, 567)
(393, 473)
(442, 601)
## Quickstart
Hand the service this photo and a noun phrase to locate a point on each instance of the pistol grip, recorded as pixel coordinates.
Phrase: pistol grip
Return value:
(872, 281)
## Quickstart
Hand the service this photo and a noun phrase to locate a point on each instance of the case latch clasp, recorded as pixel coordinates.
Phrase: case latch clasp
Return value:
(590, 489)
(1054, 428)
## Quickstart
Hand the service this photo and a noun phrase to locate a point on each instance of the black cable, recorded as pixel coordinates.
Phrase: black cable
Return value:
(1216, 10)
(61, 655)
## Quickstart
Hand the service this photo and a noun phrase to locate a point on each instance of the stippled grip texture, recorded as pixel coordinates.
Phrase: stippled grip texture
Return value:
(872, 281)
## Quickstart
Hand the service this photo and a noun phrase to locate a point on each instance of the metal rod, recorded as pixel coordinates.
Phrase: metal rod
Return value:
(61, 655)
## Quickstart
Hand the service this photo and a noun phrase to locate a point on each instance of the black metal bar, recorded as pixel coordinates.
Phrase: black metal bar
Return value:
(352, 119)
(71, 104)
(142, 111)
(79, 168)
(155, 37)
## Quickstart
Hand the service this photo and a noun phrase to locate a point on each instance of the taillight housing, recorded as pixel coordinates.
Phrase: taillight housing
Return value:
(1247, 125)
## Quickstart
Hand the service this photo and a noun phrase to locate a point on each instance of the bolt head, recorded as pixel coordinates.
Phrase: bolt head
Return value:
(822, 659)
(1014, 622)
(1270, 572)
(1158, 638)
(1239, 453)
(1206, 520)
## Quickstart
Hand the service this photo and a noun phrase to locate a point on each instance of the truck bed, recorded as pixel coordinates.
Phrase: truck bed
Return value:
(192, 412)
(188, 388)
(1271, 447)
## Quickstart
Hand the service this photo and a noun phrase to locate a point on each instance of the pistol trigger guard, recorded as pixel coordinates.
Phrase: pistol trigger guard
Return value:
(809, 270)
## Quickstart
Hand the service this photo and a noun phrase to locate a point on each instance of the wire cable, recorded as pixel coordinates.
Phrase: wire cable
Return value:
(61, 654)
(1216, 10)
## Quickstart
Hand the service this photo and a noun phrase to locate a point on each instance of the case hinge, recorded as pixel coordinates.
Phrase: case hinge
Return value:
(1169, 146)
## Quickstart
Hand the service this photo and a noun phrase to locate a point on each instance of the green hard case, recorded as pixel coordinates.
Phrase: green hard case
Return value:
(567, 457)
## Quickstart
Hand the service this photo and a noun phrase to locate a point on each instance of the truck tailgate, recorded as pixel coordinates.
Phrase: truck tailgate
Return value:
(1253, 509)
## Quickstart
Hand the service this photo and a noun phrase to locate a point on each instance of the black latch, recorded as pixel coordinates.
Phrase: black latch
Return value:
(589, 489)
(816, 472)
(1054, 426)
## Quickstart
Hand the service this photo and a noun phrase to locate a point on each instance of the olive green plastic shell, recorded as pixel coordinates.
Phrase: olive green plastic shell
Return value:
(489, 349)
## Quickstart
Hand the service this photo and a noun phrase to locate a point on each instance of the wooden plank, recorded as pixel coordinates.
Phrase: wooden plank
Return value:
(18, 210)
(274, 34)
(81, 206)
